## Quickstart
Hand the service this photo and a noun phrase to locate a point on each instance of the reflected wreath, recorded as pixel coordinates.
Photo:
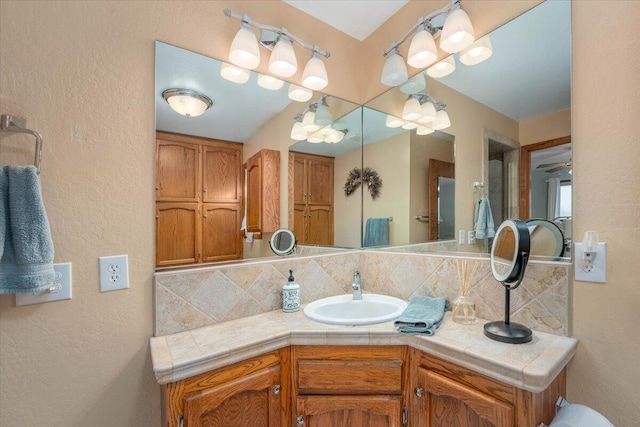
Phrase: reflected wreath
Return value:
(370, 177)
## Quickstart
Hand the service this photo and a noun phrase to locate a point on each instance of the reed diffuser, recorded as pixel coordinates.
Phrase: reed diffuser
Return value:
(464, 310)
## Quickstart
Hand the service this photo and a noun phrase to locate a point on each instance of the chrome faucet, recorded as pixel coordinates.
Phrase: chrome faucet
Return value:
(356, 286)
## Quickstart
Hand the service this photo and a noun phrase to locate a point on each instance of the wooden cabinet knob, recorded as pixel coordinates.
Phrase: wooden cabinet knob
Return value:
(276, 389)
(419, 391)
(300, 420)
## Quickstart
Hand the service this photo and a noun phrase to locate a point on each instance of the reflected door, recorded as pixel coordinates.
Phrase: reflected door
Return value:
(437, 169)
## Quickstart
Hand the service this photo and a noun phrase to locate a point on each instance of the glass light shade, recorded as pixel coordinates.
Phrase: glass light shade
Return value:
(412, 109)
(314, 75)
(414, 85)
(299, 94)
(323, 115)
(428, 113)
(457, 32)
(442, 120)
(479, 51)
(394, 72)
(186, 102)
(409, 125)
(442, 68)
(422, 51)
(424, 130)
(234, 74)
(308, 122)
(393, 122)
(297, 131)
(269, 82)
(316, 138)
(244, 51)
(335, 136)
(283, 60)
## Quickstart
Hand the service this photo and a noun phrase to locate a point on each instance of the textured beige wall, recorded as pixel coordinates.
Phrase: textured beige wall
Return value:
(544, 128)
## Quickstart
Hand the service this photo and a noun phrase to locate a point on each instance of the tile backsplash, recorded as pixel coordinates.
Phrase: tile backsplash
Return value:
(188, 299)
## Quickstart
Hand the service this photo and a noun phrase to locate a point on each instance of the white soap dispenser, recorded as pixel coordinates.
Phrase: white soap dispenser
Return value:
(291, 295)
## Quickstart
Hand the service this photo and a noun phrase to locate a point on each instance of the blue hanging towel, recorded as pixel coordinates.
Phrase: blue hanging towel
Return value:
(376, 232)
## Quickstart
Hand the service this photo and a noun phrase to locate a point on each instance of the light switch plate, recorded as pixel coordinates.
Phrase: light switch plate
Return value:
(599, 272)
(61, 288)
(114, 273)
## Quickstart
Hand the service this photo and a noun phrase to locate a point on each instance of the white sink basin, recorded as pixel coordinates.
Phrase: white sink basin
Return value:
(344, 310)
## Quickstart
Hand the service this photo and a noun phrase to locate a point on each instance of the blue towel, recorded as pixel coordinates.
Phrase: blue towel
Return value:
(483, 218)
(26, 249)
(422, 316)
(377, 232)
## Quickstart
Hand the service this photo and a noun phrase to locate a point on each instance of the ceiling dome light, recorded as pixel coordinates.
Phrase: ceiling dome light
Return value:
(479, 51)
(323, 114)
(187, 102)
(297, 131)
(414, 85)
(393, 122)
(422, 51)
(394, 71)
(428, 113)
(442, 120)
(308, 121)
(234, 74)
(314, 75)
(244, 51)
(457, 32)
(299, 94)
(424, 130)
(442, 68)
(412, 110)
(269, 82)
(283, 60)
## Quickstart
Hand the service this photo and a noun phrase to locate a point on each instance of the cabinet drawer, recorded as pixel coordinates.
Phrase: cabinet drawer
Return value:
(349, 377)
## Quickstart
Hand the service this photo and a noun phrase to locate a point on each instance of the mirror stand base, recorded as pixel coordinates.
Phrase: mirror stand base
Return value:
(511, 333)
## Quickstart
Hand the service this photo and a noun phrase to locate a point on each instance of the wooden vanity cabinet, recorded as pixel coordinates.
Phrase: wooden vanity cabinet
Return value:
(444, 394)
(348, 386)
(251, 393)
(198, 200)
(263, 191)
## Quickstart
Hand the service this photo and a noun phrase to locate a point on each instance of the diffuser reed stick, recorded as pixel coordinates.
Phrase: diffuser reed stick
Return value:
(464, 310)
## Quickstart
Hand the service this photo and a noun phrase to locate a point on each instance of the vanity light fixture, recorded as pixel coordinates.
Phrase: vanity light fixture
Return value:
(269, 82)
(309, 119)
(234, 74)
(442, 120)
(297, 131)
(188, 103)
(442, 68)
(409, 125)
(298, 93)
(428, 111)
(424, 130)
(244, 51)
(412, 109)
(316, 138)
(336, 136)
(455, 35)
(415, 84)
(479, 51)
(393, 122)
(323, 114)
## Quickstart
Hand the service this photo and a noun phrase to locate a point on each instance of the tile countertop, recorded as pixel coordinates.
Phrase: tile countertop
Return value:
(531, 366)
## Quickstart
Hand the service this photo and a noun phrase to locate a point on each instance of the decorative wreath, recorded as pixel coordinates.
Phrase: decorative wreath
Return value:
(370, 177)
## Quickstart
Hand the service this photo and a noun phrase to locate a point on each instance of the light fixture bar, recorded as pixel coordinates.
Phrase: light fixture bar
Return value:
(279, 30)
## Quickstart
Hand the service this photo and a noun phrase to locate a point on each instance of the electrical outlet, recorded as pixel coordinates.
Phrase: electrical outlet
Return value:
(595, 271)
(114, 273)
(472, 237)
(461, 234)
(60, 289)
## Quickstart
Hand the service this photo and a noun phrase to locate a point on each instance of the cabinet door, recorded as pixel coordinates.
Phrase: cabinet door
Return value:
(177, 172)
(250, 401)
(221, 236)
(448, 403)
(300, 223)
(349, 411)
(177, 233)
(254, 194)
(221, 179)
(320, 182)
(320, 225)
(299, 180)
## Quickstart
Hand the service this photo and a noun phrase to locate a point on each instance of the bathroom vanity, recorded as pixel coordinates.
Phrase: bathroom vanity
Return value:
(280, 369)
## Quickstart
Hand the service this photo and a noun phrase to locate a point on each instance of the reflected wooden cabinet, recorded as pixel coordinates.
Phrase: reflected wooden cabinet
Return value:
(263, 191)
(198, 200)
(311, 196)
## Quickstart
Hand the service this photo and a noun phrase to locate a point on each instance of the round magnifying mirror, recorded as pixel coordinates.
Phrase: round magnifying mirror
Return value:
(546, 238)
(283, 242)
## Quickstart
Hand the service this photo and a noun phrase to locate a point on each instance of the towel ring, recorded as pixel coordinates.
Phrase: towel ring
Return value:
(6, 124)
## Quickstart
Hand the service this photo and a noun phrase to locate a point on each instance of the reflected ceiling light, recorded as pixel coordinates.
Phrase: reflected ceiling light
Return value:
(442, 120)
(309, 118)
(424, 130)
(323, 114)
(300, 94)
(442, 68)
(269, 82)
(422, 51)
(414, 85)
(244, 51)
(457, 32)
(479, 51)
(316, 138)
(394, 71)
(234, 74)
(297, 130)
(335, 136)
(412, 110)
(188, 103)
(314, 75)
(428, 112)
(409, 125)
(393, 122)
(283, 60)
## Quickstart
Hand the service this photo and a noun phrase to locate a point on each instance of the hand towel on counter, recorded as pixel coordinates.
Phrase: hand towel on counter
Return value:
(26, 252)
(483, 220)
(376, 232)
(423, 315)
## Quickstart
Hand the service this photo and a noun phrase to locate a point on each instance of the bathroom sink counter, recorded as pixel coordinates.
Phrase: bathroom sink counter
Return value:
(531, 366)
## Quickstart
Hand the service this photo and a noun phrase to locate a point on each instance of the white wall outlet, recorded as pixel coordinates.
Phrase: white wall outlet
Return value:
(471, 237)
(461, 236)
(595, 271)
(60, 289)
(114, 273)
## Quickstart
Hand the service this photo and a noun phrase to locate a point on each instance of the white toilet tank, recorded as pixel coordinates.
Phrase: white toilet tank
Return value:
(575, 415)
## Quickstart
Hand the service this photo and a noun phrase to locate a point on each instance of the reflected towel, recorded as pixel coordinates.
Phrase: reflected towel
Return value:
(26, 253)
(423, 315)
(483, 219)
(376, 232)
